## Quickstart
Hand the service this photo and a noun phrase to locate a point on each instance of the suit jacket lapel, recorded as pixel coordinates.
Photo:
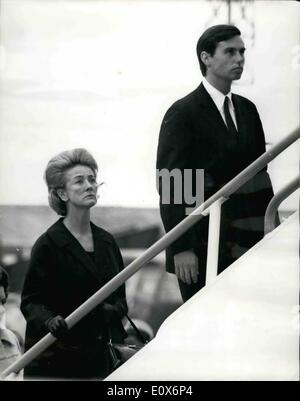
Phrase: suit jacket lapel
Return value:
(241, 118)
(213, 114)
(210, 110)
(215, 122)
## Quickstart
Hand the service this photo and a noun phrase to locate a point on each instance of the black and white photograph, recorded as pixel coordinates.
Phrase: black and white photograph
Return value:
(149, 197)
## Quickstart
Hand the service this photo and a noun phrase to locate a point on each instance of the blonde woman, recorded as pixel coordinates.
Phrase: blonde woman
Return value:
(69, 263)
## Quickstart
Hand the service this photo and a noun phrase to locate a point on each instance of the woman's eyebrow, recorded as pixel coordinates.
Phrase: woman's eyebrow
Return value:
(82, 176)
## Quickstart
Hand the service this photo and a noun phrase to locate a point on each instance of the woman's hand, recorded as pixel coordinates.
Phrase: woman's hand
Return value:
(57, 326)
(110, 312)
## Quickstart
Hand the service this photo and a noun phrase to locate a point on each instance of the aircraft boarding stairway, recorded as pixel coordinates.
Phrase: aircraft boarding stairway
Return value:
(242, 326)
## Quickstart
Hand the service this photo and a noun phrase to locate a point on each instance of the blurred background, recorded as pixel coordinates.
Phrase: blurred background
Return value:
(100, 74)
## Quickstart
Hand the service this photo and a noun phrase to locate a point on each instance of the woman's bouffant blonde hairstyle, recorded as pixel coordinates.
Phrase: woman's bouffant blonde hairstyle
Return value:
(55, 174)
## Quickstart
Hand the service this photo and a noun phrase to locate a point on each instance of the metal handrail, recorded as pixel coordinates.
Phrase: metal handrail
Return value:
(270, 215)
(154, 250)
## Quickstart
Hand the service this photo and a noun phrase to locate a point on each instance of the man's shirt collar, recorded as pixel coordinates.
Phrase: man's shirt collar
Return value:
(217, 96)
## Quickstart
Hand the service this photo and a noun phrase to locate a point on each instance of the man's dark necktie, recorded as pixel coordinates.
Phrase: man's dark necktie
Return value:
(229, 121)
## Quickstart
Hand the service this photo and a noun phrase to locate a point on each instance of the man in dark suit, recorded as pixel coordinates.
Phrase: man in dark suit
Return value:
(218, 132)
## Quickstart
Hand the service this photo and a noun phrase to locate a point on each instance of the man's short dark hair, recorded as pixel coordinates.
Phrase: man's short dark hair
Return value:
(210, 38)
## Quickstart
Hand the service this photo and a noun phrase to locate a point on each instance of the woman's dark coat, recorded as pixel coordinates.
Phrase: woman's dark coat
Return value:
(61, 276)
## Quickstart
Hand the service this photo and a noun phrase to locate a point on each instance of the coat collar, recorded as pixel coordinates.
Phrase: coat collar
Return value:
(63, 238)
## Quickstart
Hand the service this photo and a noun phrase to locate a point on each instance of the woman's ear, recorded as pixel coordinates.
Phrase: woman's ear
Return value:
(62, 194)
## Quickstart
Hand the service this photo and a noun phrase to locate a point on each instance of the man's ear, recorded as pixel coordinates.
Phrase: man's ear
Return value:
(205, 58)
(62, 194)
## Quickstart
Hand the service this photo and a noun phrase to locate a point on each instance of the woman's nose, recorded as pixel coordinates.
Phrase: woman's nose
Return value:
(88, 184)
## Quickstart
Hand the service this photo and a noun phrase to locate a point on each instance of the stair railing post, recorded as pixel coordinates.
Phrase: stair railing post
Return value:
(213, 239)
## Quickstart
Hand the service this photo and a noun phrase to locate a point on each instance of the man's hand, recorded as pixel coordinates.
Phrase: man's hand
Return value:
(186, 266)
